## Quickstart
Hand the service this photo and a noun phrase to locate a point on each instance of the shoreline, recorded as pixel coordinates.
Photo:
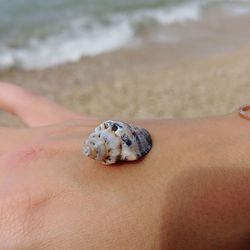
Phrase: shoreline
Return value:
(210, 25)
(149, 82)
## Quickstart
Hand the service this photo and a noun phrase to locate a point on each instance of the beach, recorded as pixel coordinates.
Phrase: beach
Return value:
(205, 73)
(141, 85)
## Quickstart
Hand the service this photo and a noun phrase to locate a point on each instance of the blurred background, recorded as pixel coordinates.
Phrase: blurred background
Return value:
(129, 58)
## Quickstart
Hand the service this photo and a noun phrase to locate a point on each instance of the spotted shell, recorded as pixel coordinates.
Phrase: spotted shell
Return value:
(114, 141)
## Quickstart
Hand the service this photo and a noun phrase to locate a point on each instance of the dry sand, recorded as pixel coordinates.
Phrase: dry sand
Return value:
(151, 82)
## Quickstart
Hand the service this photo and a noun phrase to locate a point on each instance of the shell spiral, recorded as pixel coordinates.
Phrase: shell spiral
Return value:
(114, 141)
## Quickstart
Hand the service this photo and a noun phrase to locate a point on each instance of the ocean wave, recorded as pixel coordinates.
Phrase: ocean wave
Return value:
(184, 12)
(68, 46)
(90, 37)
(238, 9)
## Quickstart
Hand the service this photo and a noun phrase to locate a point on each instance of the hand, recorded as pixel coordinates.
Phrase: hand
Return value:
(191, 192)
(52, 197)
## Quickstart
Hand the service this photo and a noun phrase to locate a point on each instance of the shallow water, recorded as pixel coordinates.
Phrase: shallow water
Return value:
(37, 34)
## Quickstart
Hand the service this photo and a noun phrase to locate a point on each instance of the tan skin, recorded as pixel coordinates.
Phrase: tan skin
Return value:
(191, 192)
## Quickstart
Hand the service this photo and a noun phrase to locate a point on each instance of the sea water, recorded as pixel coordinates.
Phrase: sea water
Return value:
(37, 34)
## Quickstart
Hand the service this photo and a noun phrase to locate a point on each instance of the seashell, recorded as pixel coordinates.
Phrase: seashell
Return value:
(114, 141)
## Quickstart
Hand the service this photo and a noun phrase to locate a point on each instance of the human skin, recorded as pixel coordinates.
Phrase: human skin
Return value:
(192, 191)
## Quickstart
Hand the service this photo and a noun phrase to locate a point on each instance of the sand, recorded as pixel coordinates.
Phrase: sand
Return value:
(147, 82)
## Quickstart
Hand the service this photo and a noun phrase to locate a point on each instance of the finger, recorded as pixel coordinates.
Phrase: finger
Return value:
(33, 109)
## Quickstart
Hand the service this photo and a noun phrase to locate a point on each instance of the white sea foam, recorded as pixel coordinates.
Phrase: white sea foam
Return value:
(238, 10)
(68, 46)
(91, 37)
(88, 37)
(185, 12)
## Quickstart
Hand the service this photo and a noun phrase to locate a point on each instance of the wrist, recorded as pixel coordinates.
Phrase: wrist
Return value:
(207, 194)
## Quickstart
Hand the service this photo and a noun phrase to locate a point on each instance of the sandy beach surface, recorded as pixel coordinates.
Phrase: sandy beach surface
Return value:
(147, 82)
(203, 71)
